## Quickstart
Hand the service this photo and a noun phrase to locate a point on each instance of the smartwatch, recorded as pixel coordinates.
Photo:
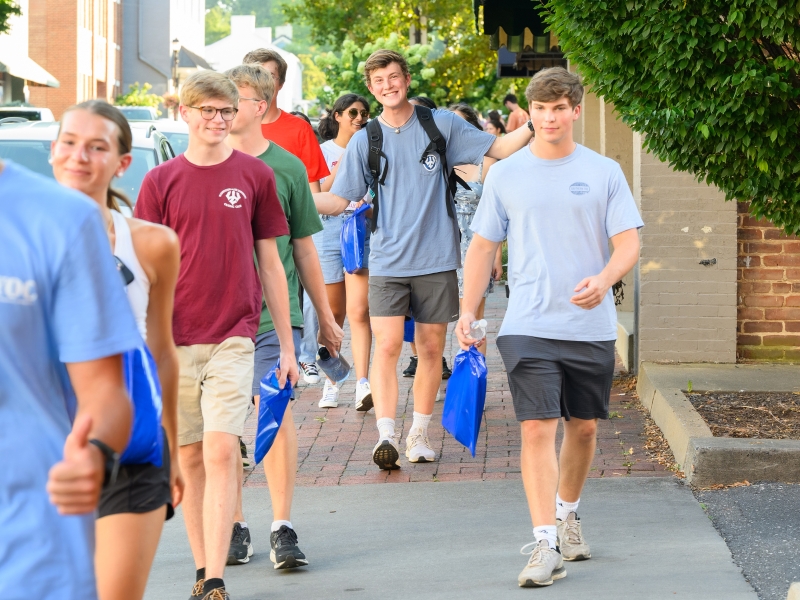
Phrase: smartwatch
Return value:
(530, 126)
(112, 461)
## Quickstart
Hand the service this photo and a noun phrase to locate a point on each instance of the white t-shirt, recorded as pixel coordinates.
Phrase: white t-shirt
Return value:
(558, 216)
(333, 154)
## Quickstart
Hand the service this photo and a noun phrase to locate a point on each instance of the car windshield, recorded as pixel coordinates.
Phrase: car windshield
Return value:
(142, 114)
(31, 115)
(178, 141)
(33, 154)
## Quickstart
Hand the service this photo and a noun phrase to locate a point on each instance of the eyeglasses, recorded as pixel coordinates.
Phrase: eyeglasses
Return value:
(354, 112)
(252, 99)
(209, 112)
(124, 271)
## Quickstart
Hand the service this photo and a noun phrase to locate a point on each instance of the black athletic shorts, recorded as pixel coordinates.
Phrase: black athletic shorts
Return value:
(558, 378)
(139, 489)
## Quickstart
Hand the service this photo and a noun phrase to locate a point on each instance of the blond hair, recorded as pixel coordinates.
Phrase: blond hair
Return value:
(264, 55)
(255, 77)
(205, 85)
(554, 83)
(381, 59)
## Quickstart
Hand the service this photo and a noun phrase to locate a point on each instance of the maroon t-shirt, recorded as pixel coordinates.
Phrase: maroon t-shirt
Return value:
(218, 212)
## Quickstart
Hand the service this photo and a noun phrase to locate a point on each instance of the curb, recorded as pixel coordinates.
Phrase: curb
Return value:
(707, 460)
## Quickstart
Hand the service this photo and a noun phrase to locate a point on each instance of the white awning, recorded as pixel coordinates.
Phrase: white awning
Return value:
(24, 68)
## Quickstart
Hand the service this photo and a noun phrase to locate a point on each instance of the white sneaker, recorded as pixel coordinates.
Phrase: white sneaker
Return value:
(330, 395)
(418, 448)
(310, 372)
(544, 565)
(363, 397)
(386, 455)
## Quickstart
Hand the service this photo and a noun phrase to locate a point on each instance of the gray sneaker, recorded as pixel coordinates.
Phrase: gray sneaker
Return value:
(544, 565)
(570, 539)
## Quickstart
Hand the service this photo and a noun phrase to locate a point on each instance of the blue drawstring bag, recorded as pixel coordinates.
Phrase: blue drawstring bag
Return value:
(271, 407)
(146, 444)
(353, 239)
(408, 330)
(466, 396)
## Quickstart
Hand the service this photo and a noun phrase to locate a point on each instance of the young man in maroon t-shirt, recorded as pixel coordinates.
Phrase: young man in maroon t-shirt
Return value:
(222, 204)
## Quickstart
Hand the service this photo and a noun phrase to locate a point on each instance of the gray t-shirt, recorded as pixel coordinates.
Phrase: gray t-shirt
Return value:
(415, 235)
(558, 216)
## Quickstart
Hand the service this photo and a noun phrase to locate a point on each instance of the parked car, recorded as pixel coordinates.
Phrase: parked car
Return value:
(29, 113)
(28, 144)
(177, 132)
(139, 113)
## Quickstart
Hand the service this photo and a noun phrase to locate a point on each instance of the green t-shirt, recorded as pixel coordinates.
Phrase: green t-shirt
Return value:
(301, 214)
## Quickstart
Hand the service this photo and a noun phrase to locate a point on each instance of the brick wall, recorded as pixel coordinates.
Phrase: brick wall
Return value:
(54, 45)
(768, 327)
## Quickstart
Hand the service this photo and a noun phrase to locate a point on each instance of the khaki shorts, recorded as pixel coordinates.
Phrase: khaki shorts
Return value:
(429, 298)
(214, 389)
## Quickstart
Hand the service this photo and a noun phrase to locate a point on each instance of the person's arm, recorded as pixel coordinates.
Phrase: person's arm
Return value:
(276, 295)
(505, 146)
(591, 290)
(310, 272)
(330, 204)
(104, 413)
(477, 271)
(497, 268)
(326, 185)
(315, 186)
(163, 255)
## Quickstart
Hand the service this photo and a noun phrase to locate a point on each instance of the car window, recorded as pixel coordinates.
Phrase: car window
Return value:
(143, 114)
(31, 115)
(130, 183)
(178, 141)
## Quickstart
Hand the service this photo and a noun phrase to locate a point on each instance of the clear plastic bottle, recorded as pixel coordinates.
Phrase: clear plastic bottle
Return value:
(477, 330)
(335, 367)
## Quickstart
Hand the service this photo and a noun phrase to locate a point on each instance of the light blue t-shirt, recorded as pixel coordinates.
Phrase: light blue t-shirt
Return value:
(61, 301)
(415, 235)
(558, 216)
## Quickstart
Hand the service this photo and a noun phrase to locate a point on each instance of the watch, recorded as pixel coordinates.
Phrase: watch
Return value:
(530, 126)
(112, 461)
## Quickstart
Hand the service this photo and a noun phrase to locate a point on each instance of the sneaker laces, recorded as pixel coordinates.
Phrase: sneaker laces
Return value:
(573, 533)
(536, 554)
(286, 537)
(238, 534)
(331, 392)
(415, 438)
(310, 368)
(217, 594)
(197, 590)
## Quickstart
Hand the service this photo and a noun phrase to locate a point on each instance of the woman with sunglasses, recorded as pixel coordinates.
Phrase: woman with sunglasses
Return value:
(94, 146)
(347, 294)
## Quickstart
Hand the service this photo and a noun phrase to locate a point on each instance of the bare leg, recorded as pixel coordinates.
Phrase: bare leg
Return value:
(221, 458)
(337, 298)
(280, 466)
(577, 453)
(540, 469)
(388, 345)
(126, 546)
(191, 459)
(430, 339)
(358, 314)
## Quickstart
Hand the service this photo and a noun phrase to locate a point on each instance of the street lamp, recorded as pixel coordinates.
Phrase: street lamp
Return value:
(176, 48)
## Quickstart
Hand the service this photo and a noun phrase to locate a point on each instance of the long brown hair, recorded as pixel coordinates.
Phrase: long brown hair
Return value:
(101, 108)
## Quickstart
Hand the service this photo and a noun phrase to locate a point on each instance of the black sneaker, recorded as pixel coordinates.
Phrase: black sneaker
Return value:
(241, 547)
(412, 368)
(217, 594)
(197, 590)
(446, 372)
(285, 553)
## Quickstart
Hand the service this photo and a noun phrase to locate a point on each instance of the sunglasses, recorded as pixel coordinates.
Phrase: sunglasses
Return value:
(354, 112)
(124, 271)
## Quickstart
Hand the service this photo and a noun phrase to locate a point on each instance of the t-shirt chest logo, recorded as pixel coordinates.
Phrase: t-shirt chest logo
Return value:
(579, 189)
(430, 162)
(14, 290)
(233, 196)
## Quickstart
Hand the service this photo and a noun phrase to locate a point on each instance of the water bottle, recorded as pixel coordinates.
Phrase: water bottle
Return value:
(335, 367)
(477, 330)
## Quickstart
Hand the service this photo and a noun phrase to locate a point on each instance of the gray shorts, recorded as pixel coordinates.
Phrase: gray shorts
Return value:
(268, 351)
(430, 298)
(558, 378)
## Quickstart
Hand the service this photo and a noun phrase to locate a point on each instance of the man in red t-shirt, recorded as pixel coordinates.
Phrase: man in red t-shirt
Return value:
(223, 204)
(289, 132)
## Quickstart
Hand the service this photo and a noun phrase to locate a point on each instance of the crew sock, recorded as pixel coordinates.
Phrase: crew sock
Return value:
(277, 525)
(386, 427)
(213, 584)
(362, 381)
(201, 574)
(242, 524)
(546, 532)
(420, 424)
(563, 508)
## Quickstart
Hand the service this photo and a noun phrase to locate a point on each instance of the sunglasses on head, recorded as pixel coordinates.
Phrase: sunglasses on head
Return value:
(124, 271)
(354, 112)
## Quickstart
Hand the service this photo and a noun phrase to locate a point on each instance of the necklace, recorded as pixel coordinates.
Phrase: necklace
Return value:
(397, 128)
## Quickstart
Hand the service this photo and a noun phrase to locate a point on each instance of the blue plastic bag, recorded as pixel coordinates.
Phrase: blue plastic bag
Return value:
(353, 239)
(141, 380)
(408, 330)
(466, 397)
(271, 407)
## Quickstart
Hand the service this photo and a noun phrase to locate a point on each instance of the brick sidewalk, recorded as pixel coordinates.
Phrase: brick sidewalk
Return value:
(335, 444)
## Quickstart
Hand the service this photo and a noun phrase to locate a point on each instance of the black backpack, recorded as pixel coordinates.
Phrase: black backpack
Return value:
(437, 144)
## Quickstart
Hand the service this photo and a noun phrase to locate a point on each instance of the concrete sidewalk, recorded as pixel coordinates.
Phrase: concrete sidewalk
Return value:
(649, 537)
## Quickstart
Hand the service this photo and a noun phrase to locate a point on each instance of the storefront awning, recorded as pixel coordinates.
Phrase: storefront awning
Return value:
(23, 67)
(515, 24)
(189, 60)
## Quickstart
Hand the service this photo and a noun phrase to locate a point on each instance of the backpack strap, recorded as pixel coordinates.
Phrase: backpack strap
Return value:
(438, 144)
(375, 136)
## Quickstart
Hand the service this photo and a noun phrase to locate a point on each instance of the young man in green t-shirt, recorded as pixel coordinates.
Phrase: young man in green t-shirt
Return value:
(299, 257)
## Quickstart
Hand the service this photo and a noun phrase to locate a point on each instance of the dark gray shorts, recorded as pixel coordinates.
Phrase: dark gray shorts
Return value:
(558, 378)
(268, 351)
(430, 298)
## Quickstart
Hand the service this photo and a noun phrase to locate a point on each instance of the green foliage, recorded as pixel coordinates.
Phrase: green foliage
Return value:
(715, 85)
(8, 8)
(218, 24)
(138, 95)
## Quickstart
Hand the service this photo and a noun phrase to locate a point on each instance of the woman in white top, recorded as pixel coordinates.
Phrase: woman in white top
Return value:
(94, 146)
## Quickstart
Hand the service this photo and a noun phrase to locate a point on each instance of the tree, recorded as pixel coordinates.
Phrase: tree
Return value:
(138, 95)
(8, 8)
(218, 24)
(714, 84)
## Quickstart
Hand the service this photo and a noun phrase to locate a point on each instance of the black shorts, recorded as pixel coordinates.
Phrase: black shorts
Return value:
(139, 489)
(558, 378)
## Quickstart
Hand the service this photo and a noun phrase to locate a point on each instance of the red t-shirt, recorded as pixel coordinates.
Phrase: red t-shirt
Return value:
(294, 135)
(218, 212)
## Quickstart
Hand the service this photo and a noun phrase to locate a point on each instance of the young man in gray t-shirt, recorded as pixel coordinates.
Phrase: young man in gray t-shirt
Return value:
(558, 204)
(414, 252)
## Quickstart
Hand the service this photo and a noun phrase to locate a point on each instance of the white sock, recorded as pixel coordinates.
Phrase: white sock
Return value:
(362, 381)
(277, 525)
(420, 423)
(386, 428)
(242, 524)
(546, 532)
(563, 508)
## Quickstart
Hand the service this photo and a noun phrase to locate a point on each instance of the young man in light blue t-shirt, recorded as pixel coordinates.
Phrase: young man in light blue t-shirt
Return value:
(558, 204)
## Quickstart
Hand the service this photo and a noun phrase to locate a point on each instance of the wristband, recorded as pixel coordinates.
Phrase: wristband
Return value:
(530, 126)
